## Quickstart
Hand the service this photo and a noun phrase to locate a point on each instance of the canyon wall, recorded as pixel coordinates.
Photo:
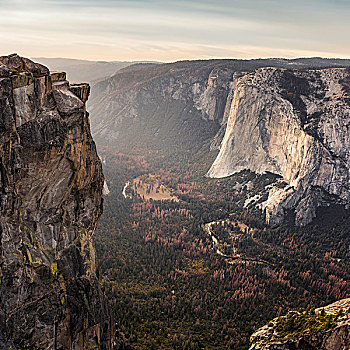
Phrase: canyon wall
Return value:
(160, 107)
(294, 123)
(51, 185)
(288, 117)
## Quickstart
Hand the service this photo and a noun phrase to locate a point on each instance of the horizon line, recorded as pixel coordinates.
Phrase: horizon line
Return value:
(193, 59)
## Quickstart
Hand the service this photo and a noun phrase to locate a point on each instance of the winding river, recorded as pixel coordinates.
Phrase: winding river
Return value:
(124, 190)
(236, 255)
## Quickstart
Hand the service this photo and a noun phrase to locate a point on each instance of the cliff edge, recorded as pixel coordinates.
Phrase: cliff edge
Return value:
(326, 328)
(51, 185)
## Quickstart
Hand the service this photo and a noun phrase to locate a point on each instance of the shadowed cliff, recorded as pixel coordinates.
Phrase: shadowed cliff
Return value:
(50, 201)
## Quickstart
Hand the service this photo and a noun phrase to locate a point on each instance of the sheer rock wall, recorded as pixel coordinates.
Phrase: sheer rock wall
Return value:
(51, 185)
(294, 123)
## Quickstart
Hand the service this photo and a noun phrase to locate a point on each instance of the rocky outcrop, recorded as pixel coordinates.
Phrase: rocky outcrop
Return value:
(333, 322)
(51, 186)
(293, 123)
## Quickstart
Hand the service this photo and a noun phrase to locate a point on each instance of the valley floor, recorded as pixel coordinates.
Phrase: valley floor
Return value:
(204, 271)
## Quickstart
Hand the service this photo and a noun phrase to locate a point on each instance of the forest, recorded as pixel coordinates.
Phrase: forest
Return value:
(169, 287)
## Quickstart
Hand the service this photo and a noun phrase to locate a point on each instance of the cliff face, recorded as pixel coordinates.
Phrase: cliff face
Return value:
(334, 333)
(50, 202)
(295, 124)
(160, 106)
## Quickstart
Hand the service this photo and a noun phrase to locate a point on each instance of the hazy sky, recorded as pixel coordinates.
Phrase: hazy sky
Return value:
(168, 30)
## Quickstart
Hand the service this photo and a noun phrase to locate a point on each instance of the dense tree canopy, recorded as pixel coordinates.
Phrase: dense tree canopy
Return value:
(169, 287)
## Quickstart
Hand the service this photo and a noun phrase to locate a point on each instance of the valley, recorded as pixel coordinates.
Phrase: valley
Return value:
(173, 176)
(187, 260)
(169, 286)
(228, 196)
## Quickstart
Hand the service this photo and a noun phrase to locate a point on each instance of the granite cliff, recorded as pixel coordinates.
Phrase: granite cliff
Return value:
(326, 328)
(160, 107)
(50, 201)
(294, 123)
(175, 106)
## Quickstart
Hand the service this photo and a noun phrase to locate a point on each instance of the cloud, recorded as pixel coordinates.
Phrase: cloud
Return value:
(143, 29)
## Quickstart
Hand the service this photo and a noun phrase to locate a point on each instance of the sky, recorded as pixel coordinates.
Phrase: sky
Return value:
(164, 30)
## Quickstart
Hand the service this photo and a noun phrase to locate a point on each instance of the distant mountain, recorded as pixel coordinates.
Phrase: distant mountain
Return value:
(83, 70)
(288, 117)
(168, 107)
(176, 105)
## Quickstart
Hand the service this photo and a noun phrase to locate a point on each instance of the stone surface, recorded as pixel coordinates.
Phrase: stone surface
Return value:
(17, 64)
(51, 186)
(337, 338)
(82, 90)
(293, 123)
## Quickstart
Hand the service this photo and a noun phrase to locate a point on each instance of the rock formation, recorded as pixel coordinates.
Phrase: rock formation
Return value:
(294, 123)
(160, 106)
(187, 100)
(50, 202)
(333, 332)
(184, 104)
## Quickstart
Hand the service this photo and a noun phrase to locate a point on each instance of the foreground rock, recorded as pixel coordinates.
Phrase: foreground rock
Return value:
(326, 328)
(51, 185)
(293, 123)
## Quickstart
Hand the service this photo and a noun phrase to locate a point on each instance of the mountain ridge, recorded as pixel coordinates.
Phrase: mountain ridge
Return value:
(84, 70)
